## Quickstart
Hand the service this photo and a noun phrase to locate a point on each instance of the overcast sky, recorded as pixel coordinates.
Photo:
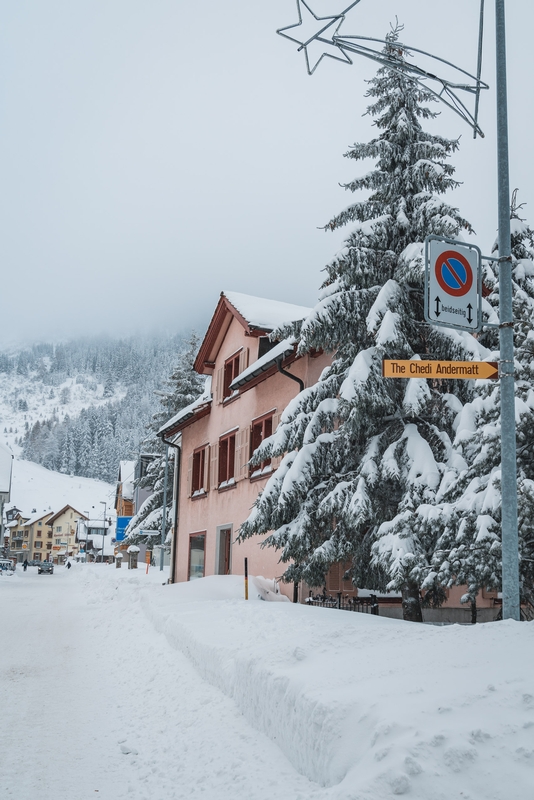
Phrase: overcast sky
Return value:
(156, 152)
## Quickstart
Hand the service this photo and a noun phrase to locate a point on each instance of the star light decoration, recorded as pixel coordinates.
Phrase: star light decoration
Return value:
(340, 46)
(318, 36)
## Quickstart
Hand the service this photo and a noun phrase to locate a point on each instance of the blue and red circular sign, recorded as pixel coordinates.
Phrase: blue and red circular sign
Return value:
(454, 273)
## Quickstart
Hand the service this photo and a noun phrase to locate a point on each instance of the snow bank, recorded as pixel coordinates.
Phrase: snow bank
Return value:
(368, 706)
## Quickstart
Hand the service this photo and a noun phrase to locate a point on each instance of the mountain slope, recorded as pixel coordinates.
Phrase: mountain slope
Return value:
(34, 487)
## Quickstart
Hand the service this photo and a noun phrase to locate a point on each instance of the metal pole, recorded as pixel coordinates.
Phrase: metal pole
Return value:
(510, 549)
(2, 539)
(246, 578)
(164, 516)
(104, 528)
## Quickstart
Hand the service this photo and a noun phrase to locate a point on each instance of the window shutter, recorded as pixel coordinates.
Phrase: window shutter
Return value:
(346, 584)
(276, 460)
(219, 385)
(214, 465)
(243, 359)
(189, 474)
(238, 455)
(333, 578)
(244, 453)
(206, 476)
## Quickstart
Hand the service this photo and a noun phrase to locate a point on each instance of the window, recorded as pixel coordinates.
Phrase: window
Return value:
(36, 556)
(50, 534)
(224, 376)
(26, 534)
(261, 429)
(39, 533)
(49, 545)
(336, 581)
(37, 545)
(40, 523)
(226, 476)
(264, 345)
(198, 472)
(231, 371)
(58, 541)
(58, 528)
(197, 546)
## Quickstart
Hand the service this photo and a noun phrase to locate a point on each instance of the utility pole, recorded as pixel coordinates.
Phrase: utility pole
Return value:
(510, 544)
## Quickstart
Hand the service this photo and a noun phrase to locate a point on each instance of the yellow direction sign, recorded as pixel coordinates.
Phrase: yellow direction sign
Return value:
(463, 370)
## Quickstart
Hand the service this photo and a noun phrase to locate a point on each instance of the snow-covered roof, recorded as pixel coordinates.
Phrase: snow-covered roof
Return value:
(281, 350)
(126, 477)
(265, 314)
(189, 411)
(36, 517)
(95, 523)
(13, 523)
(95, 545)
(61, 511)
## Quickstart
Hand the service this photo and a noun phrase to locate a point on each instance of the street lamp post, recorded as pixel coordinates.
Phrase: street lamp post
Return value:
(104, 503)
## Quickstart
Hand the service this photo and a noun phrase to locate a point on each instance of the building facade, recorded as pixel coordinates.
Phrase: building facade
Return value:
(62, 527)
(250, 382)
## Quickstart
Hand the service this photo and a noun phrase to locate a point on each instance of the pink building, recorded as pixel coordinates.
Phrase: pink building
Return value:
(250, 382)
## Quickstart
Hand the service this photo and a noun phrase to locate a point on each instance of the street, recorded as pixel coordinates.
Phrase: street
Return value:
(95, 703)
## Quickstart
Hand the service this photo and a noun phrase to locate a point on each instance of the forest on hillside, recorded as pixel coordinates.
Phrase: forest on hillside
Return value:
(95, 398)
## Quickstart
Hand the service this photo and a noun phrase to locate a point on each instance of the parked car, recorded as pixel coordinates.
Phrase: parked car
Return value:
(45, 566)
(7, 566)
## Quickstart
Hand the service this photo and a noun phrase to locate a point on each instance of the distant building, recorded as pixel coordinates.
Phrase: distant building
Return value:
(40, 537)
(124, 495)
(141, 493)
(6, 467)
(95, 539)
(63, 527)
(18, 540)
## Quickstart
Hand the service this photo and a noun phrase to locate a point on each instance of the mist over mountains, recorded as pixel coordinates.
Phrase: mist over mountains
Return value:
(82, 406)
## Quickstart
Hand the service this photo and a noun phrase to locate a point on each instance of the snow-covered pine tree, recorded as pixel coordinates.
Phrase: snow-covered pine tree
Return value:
(469, 549)
(182, 388)
(363, 452)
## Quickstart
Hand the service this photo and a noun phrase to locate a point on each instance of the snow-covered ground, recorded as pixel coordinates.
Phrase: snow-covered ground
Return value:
(118, 686)
(33, 486)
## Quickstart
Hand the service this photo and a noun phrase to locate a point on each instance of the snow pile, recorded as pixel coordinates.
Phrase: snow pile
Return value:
(368, 706)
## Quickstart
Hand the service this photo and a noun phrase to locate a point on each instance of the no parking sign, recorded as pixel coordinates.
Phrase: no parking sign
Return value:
(453, 284)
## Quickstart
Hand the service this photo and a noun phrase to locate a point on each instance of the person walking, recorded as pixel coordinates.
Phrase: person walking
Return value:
(25, 564)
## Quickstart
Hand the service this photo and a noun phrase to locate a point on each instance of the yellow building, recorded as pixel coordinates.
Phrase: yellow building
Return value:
(39, 537)
(62, 527)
